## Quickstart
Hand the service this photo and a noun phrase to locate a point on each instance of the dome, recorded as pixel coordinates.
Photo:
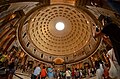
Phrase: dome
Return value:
(44, 38)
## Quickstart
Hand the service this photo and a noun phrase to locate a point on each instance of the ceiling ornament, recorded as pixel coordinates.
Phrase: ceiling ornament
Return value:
(58, 61)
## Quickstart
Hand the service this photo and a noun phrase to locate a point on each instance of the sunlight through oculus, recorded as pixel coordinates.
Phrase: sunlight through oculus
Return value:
(60, 26)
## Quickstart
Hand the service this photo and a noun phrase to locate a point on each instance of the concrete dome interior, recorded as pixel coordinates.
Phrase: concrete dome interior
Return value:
(76, 38)
(30, 27)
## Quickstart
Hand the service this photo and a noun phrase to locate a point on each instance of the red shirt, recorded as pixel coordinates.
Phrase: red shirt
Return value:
(43, 73)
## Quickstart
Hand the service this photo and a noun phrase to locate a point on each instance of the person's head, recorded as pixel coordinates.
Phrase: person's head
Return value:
(107, 20)
(100, 61)
(68, 68)
(51, 66)
(43, 67)
(1, 49)
(106, 65)
(97, 65)
(38, 65)
(75, 68)
(12, 59)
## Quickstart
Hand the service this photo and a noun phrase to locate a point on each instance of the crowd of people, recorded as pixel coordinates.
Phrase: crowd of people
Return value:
(51, 73)
(7, 66)
(100, 71)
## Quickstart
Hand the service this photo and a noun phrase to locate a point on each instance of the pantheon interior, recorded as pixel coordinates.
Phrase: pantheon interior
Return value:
(54, 32)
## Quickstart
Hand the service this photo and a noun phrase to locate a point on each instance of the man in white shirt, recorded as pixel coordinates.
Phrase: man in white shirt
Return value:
(68, 73)
(36, 72)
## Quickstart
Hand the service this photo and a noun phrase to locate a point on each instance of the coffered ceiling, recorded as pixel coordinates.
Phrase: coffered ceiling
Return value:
(46, 37)
(39, 38)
